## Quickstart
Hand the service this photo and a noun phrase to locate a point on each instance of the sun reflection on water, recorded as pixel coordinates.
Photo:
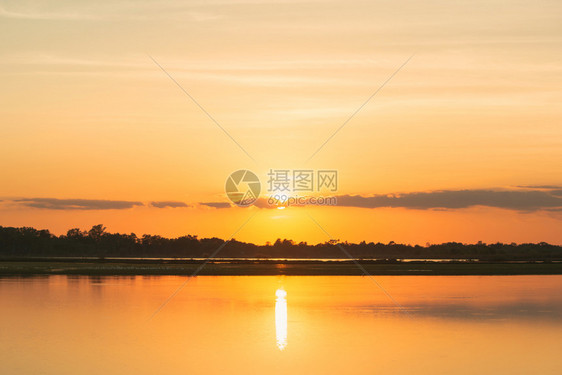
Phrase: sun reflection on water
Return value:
(281, 318)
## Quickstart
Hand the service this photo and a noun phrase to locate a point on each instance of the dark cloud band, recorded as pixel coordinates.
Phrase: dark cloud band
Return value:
(531, 200)
(535, 199)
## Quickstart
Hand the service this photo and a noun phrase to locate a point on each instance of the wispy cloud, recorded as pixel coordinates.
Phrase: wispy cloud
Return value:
(540, 187)
(216, 204)
(123, 10)
(77, 204)
(34, 15)
(168, 204)
(89, 204)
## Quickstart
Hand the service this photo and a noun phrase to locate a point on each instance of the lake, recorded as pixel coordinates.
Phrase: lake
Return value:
(281, 325)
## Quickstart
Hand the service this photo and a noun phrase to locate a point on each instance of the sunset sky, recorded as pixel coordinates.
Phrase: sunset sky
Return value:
(463, 144)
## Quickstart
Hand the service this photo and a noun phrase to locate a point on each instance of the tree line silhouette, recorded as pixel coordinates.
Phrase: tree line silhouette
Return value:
(97, 242)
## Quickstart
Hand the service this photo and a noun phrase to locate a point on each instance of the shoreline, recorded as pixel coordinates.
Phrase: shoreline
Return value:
(264, 267)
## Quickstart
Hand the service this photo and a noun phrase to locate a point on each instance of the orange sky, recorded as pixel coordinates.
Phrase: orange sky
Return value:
(86, 114)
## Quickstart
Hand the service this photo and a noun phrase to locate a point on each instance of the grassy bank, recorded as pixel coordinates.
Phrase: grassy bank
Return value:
(159, 267)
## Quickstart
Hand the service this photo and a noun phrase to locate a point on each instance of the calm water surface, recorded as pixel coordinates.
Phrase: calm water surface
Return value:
(281, 325)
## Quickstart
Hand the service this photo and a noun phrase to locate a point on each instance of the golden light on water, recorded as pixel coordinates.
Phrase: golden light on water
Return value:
(281, 318)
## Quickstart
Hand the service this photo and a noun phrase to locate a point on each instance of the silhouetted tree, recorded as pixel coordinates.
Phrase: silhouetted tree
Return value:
(97, 242)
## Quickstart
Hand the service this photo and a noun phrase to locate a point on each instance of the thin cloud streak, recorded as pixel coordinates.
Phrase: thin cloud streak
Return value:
(77, 204)
(216, 204)
(168, 204)
(125, 10)
(540, 187)
(4, 13)
(90, 204)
